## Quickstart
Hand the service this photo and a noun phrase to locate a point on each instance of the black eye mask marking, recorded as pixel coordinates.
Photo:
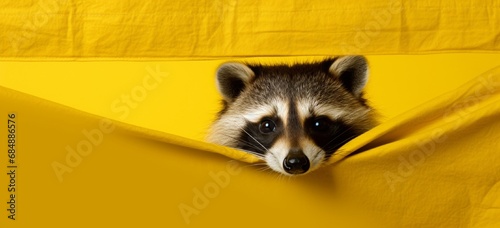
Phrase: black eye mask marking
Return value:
(260, 136)
(328, 134)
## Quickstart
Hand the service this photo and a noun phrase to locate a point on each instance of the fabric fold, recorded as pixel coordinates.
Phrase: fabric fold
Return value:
(436, 164)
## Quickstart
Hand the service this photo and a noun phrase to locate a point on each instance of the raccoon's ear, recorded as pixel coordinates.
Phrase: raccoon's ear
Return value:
(352, 71)
(232, 78)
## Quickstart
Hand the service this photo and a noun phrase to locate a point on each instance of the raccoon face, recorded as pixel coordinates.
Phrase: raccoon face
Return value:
(293, 117)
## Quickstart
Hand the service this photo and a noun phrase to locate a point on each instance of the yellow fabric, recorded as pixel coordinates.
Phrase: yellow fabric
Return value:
(107, 143)
(120, 29)
(429, 165)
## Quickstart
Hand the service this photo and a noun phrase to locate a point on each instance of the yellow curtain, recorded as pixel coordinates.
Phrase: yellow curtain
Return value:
(68, 29)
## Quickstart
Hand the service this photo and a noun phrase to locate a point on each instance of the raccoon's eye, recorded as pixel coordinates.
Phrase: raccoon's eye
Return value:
(321, 125)
(267, 126)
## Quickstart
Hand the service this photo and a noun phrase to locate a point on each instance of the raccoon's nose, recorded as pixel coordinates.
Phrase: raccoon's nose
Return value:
(296, 162)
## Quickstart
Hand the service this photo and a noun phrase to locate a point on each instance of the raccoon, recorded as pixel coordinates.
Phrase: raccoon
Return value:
(293, 117)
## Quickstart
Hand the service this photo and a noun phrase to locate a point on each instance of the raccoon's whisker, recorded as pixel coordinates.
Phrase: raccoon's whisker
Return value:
(252, 148)
(278, 176)
(258, 149)
(254, 139)
(242, 141)
(318, 152)
(337, 136)
(264, 168)
(281, 177)
(258, 164)
(254, 153)
(346, 140)
(261, 166)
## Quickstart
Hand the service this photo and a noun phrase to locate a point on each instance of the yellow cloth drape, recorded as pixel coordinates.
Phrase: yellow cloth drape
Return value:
(100, 142)
(437, 164)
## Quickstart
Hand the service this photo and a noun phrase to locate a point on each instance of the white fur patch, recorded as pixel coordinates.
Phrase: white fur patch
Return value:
(330, 111)
(256, 115)
(315, 154)
(225, 131)
(277, 154)
(274, 107)
(305, 108)
(282, 109)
